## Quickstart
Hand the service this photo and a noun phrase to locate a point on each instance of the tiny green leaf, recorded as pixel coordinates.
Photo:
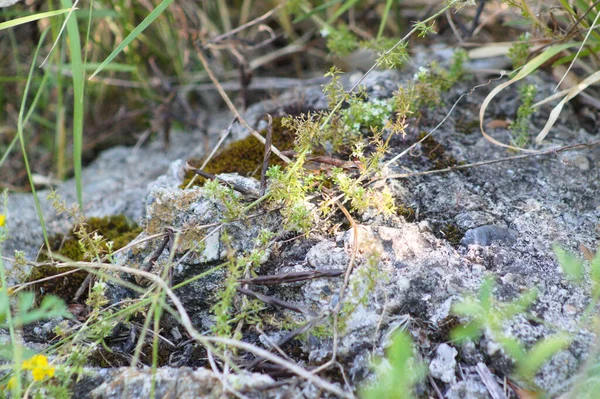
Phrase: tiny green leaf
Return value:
(540, 353)
(468, 332)
(571, 266)
(513, 348)
(595, 266)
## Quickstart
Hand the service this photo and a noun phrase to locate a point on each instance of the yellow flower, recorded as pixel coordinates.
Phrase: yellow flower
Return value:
(11, 382)
(2, 220)
(39, 367)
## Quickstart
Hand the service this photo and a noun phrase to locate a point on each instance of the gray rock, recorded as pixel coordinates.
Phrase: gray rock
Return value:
(488, 235)
(179, 383)
(443, 365)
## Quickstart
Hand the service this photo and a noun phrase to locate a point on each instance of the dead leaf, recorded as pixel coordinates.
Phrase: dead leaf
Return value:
(498, 124)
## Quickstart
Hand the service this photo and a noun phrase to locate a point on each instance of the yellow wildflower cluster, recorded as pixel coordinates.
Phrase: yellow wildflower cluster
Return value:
(2, 220)
(39, 367)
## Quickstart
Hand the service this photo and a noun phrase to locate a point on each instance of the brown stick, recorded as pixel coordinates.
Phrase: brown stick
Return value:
(492, 161)
(210, 176)
(291, 277)
(275, 301)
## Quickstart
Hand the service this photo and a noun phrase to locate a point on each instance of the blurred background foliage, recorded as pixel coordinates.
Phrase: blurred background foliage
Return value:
(158, 81)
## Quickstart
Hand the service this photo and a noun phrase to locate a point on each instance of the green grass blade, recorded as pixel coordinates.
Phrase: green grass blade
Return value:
(384, 18)
(78, 88)
(134, 34)
(20, 125)
(315, 10)
(26, 119)
(30, 18)
(345, 7)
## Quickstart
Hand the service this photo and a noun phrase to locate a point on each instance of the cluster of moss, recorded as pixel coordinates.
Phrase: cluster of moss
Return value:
(407, 212)
(244, 156)
(116, 229)
(452, 233)
(436, 153)
(466, 126)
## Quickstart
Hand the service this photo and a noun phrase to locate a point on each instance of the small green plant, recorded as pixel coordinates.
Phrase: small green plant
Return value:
(432, 81)
(397, 375)
(587, 381)
(520, 50)
(226, 310)
(487, 315)
(360, 114)
(520, 127)
(340, 40)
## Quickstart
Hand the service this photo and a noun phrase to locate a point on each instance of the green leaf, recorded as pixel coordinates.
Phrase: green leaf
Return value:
(92, 66)
(485, 294)
(468, 332)
(397, 382)
(512, 347)
(467, 307)
(315, 10)
(595, 266)
(50, 308)
(134, 34)
(31, 18)
(78, 88)
(571, 266)
(345, 7)
(520, 304)
(540, 353)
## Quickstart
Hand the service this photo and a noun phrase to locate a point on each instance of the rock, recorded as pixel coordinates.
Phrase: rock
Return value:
(180, 383)
(488, 235)
(471, 387)
(7, 3)
(443, 365)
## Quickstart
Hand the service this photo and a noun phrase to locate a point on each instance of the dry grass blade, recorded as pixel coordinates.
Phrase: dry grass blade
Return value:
(527, 69)
(590, 80)
(210, 176)
(490, 383)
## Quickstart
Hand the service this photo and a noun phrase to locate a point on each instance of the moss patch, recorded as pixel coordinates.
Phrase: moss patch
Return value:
(113, 228)
(452, 233)
(436, 153)
(244, 156)
(465, 126)
(407, 212)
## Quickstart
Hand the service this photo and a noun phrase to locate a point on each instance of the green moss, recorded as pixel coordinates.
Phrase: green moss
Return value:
(436, 153)
(466, 127)
(244, 156)
(113, 228)
(452, 233)
(406, 212)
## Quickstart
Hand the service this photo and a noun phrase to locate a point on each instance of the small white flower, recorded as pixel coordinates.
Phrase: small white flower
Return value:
(324, 32)
(420, 73)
